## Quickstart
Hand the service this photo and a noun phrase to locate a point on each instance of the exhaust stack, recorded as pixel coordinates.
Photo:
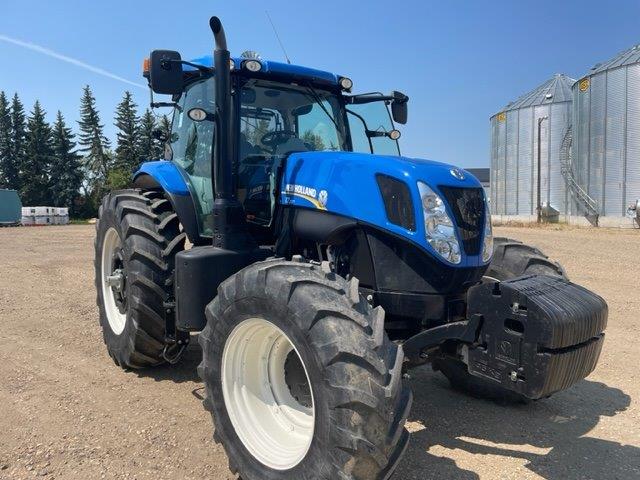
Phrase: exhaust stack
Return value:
(222, 162)
(228, 222)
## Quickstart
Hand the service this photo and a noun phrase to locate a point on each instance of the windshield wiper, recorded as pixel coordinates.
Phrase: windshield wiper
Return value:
(316, 98)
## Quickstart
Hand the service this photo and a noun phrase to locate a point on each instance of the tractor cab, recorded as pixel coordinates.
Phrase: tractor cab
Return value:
(279, 109)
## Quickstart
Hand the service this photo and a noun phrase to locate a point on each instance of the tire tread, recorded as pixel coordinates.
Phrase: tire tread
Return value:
(151, 237)
(363, 369)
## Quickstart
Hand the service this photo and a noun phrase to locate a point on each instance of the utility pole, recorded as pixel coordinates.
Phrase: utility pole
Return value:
(539, 207)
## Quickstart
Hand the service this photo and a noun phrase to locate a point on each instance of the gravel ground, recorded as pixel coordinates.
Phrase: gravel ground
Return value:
(67, 412)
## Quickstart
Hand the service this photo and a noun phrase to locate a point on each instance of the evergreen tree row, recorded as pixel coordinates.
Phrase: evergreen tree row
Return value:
(50, 165)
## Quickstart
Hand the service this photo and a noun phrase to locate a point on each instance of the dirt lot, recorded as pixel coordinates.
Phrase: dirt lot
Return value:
(67, 412)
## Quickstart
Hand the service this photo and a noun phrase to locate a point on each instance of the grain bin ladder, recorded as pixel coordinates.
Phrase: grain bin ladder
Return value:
(577, 192)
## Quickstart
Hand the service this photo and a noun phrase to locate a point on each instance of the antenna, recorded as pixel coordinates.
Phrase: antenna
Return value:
(278, 37)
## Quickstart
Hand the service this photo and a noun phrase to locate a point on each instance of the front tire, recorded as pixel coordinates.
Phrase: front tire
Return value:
(511, 259)
(301, 379)
(137, 237)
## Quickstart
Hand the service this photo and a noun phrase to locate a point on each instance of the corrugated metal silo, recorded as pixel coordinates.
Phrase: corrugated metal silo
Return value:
(606, 135)
(514, 151)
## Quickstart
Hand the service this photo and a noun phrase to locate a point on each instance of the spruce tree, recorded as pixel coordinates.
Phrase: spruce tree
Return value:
(93, 144)
(18, 137)
(126, 121)
(164, 124)
(66, 167)
(147, 149)
(8, 176)
(36, 165)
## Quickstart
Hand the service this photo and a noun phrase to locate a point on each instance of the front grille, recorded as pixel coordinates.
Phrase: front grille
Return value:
(467, 205)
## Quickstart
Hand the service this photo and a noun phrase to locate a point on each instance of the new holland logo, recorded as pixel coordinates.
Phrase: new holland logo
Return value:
(457, 173)
(323, 196)
(318, 199)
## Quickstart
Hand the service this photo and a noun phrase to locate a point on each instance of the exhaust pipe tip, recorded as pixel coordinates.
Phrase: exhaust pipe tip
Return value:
(218, 33)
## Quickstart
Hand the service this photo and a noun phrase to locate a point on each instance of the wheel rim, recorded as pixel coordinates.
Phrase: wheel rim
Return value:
(113, 281)
(276, 428)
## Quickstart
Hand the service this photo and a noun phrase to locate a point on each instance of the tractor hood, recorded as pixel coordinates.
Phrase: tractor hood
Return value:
(346, 183)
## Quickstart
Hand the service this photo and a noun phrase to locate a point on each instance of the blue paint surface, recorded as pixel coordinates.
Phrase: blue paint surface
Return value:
(277, 68)
(349, 180)
(345, 183)
(166, 174)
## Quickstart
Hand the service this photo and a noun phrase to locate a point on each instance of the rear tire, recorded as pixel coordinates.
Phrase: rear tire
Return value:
(140, 233)
(358, 403)
(511, 259)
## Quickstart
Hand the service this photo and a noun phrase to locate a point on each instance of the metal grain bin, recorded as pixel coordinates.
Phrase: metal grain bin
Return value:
(606, 137)
(514, 151)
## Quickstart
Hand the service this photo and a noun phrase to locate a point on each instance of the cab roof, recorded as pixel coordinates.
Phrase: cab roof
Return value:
(279, 69)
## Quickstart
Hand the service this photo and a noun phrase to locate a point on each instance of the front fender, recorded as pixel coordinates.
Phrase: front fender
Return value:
(165, 175)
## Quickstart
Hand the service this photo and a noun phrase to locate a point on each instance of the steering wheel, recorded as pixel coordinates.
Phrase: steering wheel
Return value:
(272, 139)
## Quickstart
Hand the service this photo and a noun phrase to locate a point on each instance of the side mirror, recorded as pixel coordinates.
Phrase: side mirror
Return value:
(399, 107)
(165, 72)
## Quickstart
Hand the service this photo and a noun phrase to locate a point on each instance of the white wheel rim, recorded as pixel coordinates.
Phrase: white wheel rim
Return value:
(273, 426)
(110, 245)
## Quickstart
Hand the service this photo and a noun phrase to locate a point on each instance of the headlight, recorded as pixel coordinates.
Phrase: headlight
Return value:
(439, 229)
(487, 243)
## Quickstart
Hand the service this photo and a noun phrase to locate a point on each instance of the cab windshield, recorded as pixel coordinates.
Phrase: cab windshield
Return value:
(278, 119)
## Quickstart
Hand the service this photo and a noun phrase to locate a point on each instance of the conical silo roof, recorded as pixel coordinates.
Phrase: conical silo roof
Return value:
(555, 90)
(628, 57)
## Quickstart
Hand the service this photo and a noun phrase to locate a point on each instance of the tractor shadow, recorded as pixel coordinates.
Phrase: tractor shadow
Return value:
(549, 435)
(183, 371)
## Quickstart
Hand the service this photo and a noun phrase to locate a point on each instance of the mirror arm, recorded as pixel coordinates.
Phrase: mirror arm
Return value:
(376, 133)
(360, 99)
(201, 68)
(153, 104)
(166, 104)
(369, 98)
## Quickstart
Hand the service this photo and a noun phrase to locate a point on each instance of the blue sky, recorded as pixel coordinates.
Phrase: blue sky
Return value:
(459, 62)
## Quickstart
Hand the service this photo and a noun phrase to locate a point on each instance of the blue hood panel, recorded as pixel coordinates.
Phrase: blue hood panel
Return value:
(345, 183)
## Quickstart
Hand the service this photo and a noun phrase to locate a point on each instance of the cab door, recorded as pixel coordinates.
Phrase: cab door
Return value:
(191, 145)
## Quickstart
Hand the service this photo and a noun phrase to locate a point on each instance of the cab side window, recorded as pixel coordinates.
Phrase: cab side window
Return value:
(372, 116)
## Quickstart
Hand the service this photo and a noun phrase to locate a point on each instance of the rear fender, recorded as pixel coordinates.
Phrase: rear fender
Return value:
(164, 175)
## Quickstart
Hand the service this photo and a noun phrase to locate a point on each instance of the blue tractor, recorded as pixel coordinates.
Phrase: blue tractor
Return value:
(319, 265)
